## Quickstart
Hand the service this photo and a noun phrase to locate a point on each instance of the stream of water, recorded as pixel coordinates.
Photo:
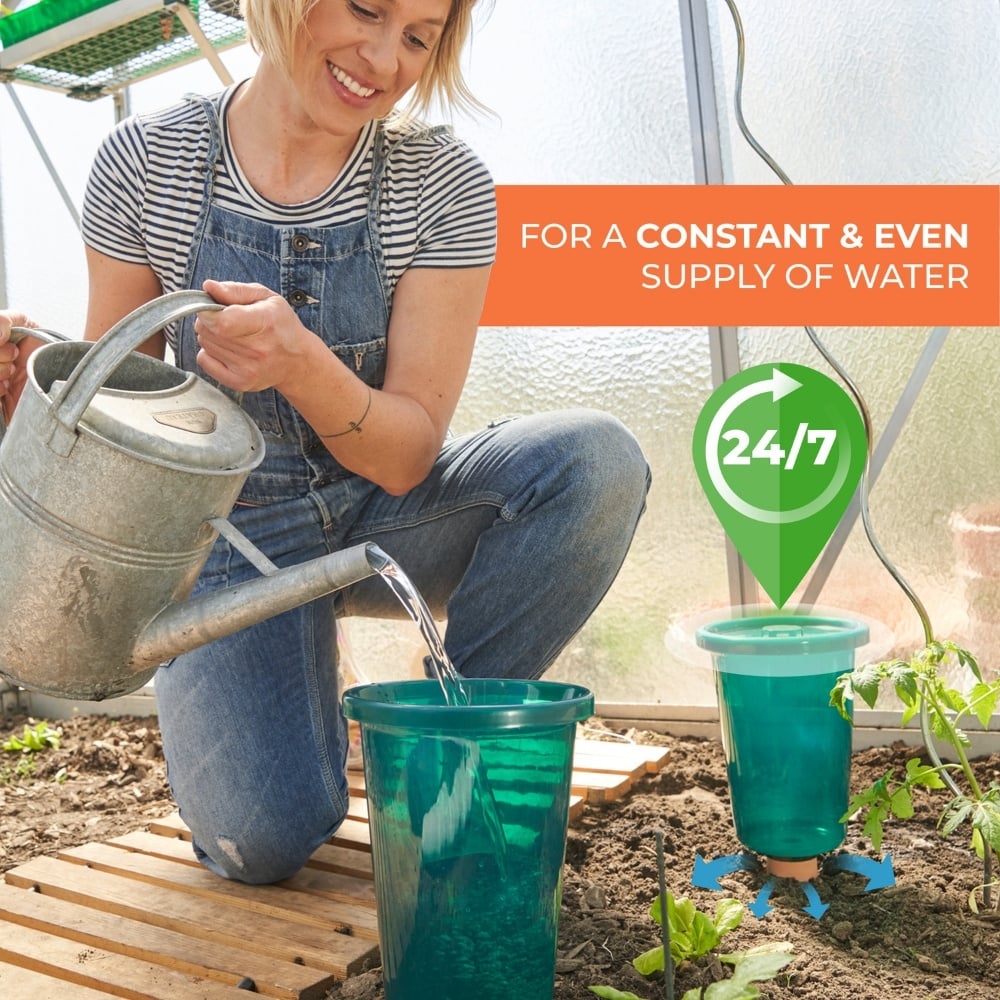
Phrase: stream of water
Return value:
(416, 607)
(456, 695)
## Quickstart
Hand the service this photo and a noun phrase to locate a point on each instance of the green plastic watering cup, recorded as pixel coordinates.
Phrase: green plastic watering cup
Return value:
(468, 807)
(788, 751)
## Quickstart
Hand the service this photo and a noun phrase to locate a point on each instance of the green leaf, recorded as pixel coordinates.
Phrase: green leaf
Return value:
(656, 911)
(986, 819)
(651, 961)
(757, 964)
(874, 794)
(841, 694)
(904, 681)
(33, 739)
(944, 730)
(901, 803)
(865, 683)
(755, 968)
(954, 699)
(728, 989)
(983, 700)
(704, 936)
(977, 845)
(966, 659)
(933, 653)
(873, 826)
(728, 915)
(681, 946)
(919, 773)
(957, 812)
(681, 913)
(610, 993)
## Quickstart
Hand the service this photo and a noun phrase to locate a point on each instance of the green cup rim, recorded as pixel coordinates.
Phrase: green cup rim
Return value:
(782, 635)
(390, 704)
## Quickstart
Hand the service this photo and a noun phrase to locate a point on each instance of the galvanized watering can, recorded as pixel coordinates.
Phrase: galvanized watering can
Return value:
(116, 476)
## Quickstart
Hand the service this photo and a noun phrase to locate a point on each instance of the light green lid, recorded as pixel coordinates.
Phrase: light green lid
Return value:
(781, 635)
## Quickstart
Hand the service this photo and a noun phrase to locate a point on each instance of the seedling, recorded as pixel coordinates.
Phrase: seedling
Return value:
(694, 934)
(24, 768)
(34, 739)
(924, 692)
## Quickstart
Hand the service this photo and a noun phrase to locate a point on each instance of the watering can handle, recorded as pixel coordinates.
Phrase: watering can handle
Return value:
(17, 334)
(98, 364)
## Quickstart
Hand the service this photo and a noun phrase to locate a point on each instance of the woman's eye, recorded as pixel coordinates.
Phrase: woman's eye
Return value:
(416, 42)
(363, 12)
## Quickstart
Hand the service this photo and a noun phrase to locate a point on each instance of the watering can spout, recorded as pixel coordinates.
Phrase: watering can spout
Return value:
(186, 625)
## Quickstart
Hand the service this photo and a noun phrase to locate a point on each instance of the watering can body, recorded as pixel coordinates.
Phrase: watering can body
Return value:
(116, 475)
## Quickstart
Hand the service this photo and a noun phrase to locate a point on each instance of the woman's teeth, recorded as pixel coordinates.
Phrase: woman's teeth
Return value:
(351, 84)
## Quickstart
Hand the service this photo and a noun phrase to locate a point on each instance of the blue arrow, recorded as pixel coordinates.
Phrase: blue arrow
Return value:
(760, 907)
(816, 907)
(707, 873)
(880, 874)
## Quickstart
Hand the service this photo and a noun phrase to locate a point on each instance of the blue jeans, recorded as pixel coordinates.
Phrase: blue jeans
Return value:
(515, 537)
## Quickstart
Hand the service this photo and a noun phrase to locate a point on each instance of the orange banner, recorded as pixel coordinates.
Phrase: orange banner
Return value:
(732, 255)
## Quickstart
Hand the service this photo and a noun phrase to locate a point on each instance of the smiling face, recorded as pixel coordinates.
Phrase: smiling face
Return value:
(354, 59)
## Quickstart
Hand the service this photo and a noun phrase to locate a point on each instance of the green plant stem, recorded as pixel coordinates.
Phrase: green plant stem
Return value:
(970, 776)
(953, 740)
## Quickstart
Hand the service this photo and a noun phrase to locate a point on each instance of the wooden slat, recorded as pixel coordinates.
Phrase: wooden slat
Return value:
(277, 900)
(326, 857)
(119, 975)
(602, 772)
(350, 833)
(355, 860)
(18, 983)
(357, 808)
(212, 920)
(185, 953)
(170, 826)
(353, 833)
(609, 754)
(597, 787)
(589, 785)
(587, 763)
(167, 848)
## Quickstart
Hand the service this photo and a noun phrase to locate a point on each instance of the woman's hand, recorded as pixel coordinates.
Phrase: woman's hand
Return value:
(256, 343)
(390, 436)
(14, 360)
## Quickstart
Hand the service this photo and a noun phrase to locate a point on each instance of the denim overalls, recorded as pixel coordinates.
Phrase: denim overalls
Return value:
(334, 278)
(515, 536)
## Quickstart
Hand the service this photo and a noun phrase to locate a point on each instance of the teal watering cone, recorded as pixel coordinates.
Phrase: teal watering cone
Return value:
(788, 751)
(468, 807)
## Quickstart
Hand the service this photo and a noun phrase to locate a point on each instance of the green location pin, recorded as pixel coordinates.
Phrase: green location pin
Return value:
(779, 451)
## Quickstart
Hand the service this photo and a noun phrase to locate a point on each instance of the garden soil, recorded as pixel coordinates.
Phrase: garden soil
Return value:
(915, 940)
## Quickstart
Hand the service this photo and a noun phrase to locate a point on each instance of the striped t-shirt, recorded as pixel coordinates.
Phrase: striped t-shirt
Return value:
(143, 198)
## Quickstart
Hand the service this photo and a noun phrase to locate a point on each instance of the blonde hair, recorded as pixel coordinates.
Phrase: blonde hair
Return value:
(273, 26)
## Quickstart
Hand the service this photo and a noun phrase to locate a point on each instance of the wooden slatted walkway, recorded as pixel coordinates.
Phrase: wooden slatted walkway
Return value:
(137, 917)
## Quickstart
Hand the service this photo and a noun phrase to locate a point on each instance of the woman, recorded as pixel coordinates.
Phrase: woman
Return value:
(351, 248)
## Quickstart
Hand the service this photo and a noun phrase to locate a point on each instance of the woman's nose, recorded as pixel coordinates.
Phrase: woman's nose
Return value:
(379, 51)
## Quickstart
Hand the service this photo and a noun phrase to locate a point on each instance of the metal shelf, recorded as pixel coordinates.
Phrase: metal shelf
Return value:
(104, 51)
